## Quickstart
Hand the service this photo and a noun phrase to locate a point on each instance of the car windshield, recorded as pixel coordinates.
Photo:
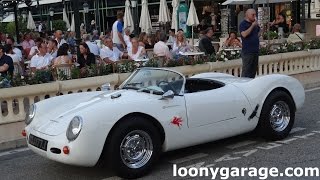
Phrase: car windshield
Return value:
(156, 81)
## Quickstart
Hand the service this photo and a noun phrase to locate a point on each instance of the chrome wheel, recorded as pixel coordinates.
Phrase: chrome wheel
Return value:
(136, 149)
(280, 116)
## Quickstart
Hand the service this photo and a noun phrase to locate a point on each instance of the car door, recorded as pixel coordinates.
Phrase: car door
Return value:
(219, 105)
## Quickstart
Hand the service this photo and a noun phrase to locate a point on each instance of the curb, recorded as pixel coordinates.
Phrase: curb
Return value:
(4, 146)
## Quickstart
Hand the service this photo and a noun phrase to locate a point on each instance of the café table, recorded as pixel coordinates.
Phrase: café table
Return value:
(141, 61)
(195, 55)
(232, 49)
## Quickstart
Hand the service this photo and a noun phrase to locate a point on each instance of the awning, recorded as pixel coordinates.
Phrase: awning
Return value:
(9, 18)
(232, 2)
(41, 2)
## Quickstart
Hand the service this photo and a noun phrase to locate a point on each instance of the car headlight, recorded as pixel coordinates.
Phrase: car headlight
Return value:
(30, 115)
(74, 128)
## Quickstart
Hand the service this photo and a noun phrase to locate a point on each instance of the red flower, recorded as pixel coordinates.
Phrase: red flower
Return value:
(177, 121)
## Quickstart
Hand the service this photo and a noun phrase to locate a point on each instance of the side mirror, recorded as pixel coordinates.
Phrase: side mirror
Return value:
(106, 87)
(167, 95)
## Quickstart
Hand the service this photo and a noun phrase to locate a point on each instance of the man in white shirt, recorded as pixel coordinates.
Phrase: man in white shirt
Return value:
(161, 49)
(93, 47)
(117, 32)
(52, 48)
(58, 37)
(42, 60)
(110, 54)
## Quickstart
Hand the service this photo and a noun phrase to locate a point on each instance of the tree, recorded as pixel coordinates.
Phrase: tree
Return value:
(3, 27)
(11, 27)
(59, 25)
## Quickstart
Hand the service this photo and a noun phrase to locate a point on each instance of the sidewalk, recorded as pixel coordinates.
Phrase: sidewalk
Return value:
(309, 80)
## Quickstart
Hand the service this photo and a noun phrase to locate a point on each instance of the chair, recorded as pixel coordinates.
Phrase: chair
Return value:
(150, 53)
(62, 71)
(17, 69)
(222, 40)
(161, 60)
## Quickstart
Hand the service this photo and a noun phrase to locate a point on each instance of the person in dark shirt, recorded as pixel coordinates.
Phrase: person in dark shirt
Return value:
(6, 63)
(86, 57)
(249, 30)
(280, 22)
(205, 44)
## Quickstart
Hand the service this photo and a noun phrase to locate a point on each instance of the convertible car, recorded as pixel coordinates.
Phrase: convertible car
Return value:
(157, 110)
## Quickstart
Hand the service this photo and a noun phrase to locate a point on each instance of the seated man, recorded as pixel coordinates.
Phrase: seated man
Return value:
(296, 36)
(161, 49)
(6, 63)
(110, 54)
(205, 44)
(42, 60)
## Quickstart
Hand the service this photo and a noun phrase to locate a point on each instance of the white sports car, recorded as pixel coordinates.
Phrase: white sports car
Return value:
(157, 110)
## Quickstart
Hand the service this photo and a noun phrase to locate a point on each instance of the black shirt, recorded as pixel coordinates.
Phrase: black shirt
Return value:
(6, 60)
(205, 45)
(284, 26)
(250, 44)
(91, 59)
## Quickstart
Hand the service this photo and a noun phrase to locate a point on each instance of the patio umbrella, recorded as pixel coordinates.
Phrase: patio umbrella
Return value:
(65, 18)
(30, 24)
(72, 27)
(192, 18)
(164, 16)
(145, 21)
(174, 22)
(128, 21)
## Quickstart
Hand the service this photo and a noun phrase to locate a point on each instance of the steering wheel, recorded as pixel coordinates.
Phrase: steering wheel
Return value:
(165, 85)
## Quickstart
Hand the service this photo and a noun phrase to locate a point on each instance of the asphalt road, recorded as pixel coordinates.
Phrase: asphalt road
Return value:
(300, 149)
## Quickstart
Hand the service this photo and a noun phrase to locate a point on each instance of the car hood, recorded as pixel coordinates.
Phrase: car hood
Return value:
(56, 120)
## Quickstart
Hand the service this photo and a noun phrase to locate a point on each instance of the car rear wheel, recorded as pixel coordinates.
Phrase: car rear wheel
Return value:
(277, 116)
(134, 147)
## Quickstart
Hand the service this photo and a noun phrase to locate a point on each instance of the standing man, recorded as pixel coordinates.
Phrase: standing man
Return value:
(249, 30)
(117, 32)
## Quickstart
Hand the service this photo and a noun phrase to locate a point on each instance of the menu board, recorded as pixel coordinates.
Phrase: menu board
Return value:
(155, 23)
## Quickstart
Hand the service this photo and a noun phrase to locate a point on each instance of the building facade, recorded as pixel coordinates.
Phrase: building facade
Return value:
(104, 11)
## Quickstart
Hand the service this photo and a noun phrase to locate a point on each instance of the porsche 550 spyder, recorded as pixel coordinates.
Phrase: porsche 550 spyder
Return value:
(157, 110)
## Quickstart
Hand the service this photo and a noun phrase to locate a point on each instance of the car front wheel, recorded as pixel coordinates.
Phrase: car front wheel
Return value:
(277, 116)
(134, 148)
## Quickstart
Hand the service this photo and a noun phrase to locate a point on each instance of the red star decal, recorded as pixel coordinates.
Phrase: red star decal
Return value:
(177, 121)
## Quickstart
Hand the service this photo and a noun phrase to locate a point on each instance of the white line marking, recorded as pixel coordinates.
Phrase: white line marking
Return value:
(13, 151)
(112, 178)
(296, 129)
(188, 158)
(313, 89)
(241, 144)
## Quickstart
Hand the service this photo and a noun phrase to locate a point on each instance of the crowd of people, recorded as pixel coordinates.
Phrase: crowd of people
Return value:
(117, 44)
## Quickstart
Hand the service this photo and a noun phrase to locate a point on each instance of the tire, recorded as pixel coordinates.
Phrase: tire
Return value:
(129, 132)
(277, 116)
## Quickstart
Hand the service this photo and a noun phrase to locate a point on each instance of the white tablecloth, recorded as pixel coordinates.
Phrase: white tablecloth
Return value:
(191, 53)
